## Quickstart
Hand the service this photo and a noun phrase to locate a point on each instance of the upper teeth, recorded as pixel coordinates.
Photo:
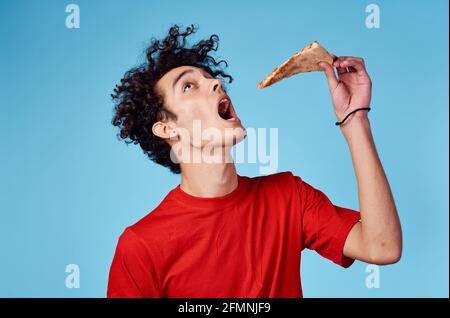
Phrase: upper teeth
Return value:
(223, 105)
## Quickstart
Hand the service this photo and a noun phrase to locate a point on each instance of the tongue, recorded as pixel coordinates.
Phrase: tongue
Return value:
(224, 115)
(223, 111)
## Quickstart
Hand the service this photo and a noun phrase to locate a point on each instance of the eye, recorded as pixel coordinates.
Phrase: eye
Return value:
(187, 85)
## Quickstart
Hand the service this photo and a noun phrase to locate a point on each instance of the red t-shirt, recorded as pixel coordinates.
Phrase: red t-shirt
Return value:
(245, 244)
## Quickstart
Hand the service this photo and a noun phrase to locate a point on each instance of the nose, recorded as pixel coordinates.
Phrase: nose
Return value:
(217, 86)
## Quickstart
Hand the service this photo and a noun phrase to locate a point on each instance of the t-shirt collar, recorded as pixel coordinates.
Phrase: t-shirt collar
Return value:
(215, 202)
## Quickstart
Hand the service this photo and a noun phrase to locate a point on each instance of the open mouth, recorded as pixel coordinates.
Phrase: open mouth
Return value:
(225, 109)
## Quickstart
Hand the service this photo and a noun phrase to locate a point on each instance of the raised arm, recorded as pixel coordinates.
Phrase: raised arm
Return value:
(378, 238)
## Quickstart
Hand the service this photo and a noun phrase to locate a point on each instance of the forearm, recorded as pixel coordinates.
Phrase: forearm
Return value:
(380, 225)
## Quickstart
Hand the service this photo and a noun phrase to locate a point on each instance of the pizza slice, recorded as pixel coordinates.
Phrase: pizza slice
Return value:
(307, 60)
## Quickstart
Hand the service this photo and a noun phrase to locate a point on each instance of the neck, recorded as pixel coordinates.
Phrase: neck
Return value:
(209, 179)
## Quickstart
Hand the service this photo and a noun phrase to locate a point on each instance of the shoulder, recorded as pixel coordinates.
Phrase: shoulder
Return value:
(151, 229)
(285, 179)
(129, 245)
(278, 185)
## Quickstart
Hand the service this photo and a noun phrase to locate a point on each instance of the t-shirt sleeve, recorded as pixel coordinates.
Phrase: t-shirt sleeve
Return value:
(132, 273)
(324, 226)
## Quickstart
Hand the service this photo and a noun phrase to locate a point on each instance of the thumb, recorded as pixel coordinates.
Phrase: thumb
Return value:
(329, 73)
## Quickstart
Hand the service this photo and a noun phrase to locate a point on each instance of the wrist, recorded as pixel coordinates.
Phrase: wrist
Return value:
(353, 112)
(357, 124)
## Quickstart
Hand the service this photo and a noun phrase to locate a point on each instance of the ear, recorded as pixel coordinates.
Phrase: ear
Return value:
(161, 130)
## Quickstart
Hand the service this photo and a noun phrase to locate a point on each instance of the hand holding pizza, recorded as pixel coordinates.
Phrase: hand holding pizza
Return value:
(352, 88)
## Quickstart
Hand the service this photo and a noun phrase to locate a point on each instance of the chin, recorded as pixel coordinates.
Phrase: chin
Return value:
(226, 136)
(233, 133)
(239, 135)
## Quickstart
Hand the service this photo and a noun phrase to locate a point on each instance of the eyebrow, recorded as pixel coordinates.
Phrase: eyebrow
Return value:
(184, 73)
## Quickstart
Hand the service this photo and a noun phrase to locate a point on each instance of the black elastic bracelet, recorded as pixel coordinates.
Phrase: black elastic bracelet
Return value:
(341, 122)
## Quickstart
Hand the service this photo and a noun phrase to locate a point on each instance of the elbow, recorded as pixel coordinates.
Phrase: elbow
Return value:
(387, 259)
(385, 249)
(386, 256)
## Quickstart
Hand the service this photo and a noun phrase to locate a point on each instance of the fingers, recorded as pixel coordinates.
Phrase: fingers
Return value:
(354, 64)
(343, 64)
(349, 58)
(358, 66)
(341, 70)
(329, 73)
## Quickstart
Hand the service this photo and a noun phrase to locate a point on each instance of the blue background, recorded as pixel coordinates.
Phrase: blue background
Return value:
(68, 187)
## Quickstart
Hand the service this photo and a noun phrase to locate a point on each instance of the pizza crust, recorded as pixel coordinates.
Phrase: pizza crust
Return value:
(307, 60)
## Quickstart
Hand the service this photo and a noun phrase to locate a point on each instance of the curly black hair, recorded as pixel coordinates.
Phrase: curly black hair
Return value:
(138, 105)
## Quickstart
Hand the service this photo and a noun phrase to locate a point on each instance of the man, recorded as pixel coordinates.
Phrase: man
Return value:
(220, 234)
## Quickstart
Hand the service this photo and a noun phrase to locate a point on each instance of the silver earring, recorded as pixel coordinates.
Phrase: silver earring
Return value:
(173, 134)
